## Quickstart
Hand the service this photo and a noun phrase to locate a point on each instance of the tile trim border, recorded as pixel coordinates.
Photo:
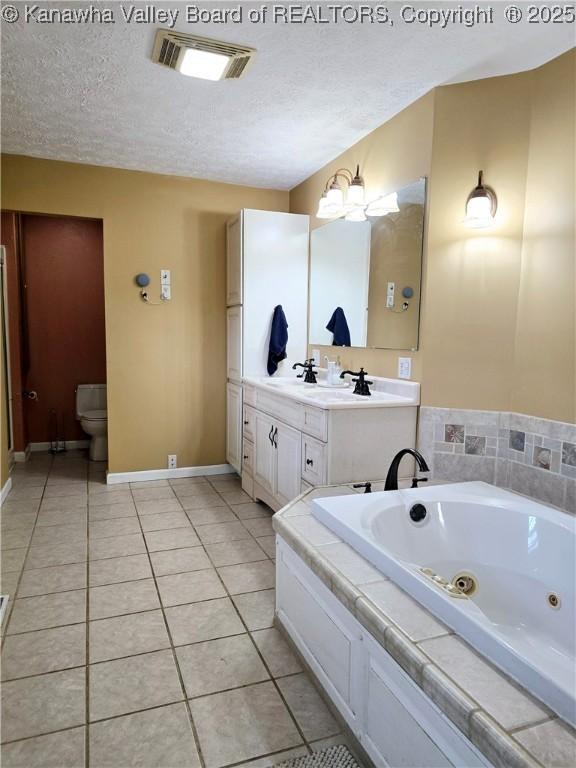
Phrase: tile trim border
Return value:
(141, 476)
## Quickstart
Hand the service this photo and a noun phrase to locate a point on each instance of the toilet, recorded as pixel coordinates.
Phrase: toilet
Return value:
(93, 416)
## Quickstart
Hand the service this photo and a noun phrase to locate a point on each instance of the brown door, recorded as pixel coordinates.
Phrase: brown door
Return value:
(63, 277)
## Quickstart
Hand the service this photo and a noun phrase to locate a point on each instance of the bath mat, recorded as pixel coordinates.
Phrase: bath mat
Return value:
(333, 757)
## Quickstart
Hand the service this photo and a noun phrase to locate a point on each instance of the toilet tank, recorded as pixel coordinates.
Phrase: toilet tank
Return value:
(90, 397)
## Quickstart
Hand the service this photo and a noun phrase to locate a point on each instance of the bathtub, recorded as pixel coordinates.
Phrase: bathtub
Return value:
(515, 599)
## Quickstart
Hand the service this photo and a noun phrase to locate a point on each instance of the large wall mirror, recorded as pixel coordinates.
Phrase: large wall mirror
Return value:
(365, 277)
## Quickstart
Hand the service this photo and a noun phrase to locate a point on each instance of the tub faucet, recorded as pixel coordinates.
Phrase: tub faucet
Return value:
(392, 476)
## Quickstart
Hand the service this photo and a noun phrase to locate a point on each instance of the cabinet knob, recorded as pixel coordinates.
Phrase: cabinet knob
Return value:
(246, 422)
(310, 462)
(246, 458)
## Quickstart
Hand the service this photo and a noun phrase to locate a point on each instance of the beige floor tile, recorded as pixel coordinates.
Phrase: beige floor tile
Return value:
(158, 506)
(256, 723)
(120, 526)
(214, 534)
(190, 587)
(235, 497)
(73, 490)
(57, 578)
(203, 501)
(211, 515)
(16, 539)
(56, 554)
(278, 757)
(64, 504)
(142, 485)
(119, 569)
(129, 685)
(260, 526)
(178, 482)
(277, 654)
(15, 521)
(22, 507)
(26, 493)
(37, 705)
(131, 544)
(62, 517)
(60, 534)
(179, 561)
(173, 538)
(248, 577)
(220, 664)
(45, 651)
(64, 749)
(112, 511)
(46, 611)
(114, 497)
(226, 485)
(234, 552)
(98, 486)
(257, 608)
(152, 494)
(208, 620)
(13, 559)
(127, 636)
(156, 738)
(8, 584)
(268, 544)
(307, 706)
(119, 599)
(195, 489)
(164, 521)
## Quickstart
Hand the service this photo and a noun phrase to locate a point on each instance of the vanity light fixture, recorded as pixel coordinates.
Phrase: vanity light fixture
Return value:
(384, 205)
(481, 205)
(333, 204)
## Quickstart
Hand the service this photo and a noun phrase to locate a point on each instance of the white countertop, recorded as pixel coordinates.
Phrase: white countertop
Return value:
(385, 393)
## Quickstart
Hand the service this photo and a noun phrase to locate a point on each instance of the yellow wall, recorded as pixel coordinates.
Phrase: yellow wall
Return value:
(490, 338)
(166, 364)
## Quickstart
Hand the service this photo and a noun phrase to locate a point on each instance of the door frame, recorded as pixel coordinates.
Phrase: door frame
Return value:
(5, 330)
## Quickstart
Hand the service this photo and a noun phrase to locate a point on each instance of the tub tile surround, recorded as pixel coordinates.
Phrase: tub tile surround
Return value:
(533, 456)
(158, 654)
(506, 723)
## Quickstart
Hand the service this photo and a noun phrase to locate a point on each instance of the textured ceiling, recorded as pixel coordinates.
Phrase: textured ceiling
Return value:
(89, 93)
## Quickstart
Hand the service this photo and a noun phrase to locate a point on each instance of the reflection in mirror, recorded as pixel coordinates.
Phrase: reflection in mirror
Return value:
(365, 277)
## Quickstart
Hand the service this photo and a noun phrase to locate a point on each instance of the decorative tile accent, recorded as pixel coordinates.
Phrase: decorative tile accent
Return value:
(454, 433)
(541, 457)
(569, 454)
(536, 457)
(517, 440)
(474, 445)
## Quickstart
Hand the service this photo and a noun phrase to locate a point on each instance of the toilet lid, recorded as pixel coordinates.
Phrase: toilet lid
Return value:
(95, 415)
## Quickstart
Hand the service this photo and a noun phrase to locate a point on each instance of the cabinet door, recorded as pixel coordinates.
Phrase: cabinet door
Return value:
(265, 458)
(234, 425)
(234, 262)
(234, 343)
(288, 446)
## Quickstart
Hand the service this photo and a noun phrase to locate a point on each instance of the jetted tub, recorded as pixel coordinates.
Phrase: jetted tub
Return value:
(515, 599)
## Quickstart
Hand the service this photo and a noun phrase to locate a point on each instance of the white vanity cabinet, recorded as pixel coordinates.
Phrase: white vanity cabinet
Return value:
(266, 266)
(292, 444)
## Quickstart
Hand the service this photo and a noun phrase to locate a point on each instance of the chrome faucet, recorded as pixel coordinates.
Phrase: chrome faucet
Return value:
(392, 476)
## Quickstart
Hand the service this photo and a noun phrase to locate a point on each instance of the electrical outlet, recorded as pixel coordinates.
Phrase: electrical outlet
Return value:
(316, 357)
(164, 277)
(166, 293)
(172, 463)
(390, 295)
(404, 367)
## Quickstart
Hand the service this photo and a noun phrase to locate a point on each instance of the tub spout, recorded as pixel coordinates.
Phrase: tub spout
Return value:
(392, 476)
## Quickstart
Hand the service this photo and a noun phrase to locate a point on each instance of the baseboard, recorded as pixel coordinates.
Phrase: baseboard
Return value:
(167, 474)
(5, 490)
(71, 445)
(21, 456)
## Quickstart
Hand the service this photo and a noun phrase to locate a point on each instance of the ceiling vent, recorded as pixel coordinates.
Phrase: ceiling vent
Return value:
(200, 56)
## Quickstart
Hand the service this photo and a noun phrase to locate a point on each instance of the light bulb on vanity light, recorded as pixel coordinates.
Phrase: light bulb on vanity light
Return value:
(356, 214)
(481, 206)
(355, 194)
(383, 205)
(327, 210)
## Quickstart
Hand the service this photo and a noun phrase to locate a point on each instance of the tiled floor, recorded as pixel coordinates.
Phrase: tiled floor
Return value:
(141, 633)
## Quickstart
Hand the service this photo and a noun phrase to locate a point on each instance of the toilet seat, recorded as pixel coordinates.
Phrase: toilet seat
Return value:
(95, 415)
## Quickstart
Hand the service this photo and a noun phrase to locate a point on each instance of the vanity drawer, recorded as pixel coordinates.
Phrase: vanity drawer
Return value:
(315, 422)
(313, 461)
(247, 456)
(283, 408)
(248, 422)
(249, 394)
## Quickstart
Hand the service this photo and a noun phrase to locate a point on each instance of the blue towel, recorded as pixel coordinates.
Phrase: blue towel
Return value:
(278, 340)
(339, 327)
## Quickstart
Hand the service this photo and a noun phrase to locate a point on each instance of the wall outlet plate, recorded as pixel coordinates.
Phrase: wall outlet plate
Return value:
(390, 295)
(166, 293)
(172, 461)
(316, 357)
(164, 277)
(404, 367)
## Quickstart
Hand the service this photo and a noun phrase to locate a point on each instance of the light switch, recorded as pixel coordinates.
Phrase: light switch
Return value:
(404, 367)
(390, 295)
(164, 277)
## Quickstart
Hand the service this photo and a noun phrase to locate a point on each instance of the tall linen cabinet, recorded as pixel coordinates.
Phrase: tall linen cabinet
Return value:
(267, 265)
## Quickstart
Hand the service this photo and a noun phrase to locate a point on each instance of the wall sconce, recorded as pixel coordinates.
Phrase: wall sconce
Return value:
(481, 205)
